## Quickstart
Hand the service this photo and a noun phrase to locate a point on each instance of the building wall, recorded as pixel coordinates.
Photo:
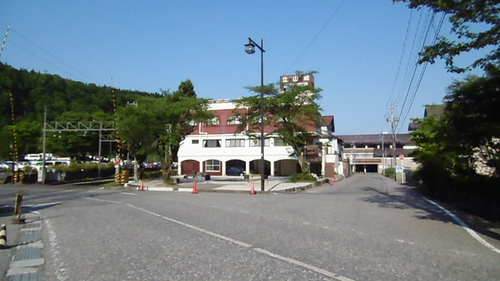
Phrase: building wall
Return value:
(196, 148)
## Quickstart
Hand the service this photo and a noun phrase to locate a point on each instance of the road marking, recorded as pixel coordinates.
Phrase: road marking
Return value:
(237, 242)
(60, 271)
(193, 227)
(129, 193)
(42, 204)
(465, 226)
(305, 265)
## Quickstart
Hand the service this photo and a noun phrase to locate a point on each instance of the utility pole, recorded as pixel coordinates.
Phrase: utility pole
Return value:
(4, 41)
(393, 121)
(44, 169)
(383, 152)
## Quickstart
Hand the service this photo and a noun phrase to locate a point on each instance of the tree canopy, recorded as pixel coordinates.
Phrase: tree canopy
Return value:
(161, 124)
(476, 25)
(291, 115)
(459, 150)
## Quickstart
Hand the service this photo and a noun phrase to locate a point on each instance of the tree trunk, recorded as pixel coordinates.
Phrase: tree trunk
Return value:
(167, 164)
(136, 173)
(302, 163)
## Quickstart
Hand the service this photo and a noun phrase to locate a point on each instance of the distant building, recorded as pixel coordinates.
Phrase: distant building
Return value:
(430, 110)
(374, 153)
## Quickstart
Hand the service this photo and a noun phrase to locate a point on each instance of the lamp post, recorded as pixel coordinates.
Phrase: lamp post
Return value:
(250, 49)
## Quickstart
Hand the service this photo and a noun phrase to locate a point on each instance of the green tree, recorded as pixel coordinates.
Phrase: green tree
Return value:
(137, 137)
(472, 111)
(434, 153)
(65, 100)
(161, 124)
(476, 24)
(29, 136)
(460, 149)
(291, 115)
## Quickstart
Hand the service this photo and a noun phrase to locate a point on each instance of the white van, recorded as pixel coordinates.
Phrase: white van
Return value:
(33, 157)
(37, 156)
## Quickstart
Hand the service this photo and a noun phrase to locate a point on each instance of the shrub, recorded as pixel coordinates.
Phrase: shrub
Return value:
(152, 175)
(390, 172)
(302, 178)
(75, 167)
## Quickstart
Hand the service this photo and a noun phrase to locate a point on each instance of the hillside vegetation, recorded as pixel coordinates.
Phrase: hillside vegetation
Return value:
(26, 95)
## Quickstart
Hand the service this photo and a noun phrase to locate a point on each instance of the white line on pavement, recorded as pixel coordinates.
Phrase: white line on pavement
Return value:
(237, 242)
(465, 226)
(129, 193)
(42, 204)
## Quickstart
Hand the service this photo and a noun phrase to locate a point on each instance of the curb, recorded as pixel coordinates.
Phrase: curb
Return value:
(294, 189)
(27, 261)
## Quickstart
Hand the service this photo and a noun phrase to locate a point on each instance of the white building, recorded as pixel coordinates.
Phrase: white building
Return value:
(215, 148)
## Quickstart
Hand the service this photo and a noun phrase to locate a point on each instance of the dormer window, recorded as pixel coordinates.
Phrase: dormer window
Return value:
(214, 121)
(233, 120)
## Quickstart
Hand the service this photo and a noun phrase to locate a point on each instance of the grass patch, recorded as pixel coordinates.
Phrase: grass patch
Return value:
(302, 178)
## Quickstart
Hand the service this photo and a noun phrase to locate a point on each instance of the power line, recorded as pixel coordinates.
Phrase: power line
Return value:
(402, 53)
(75, 72)
(416, 66)
(436, 34)
(414, 54)
(315, 37)
(44, 60)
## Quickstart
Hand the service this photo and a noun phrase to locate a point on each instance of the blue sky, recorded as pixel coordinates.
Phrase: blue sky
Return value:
(361, 49)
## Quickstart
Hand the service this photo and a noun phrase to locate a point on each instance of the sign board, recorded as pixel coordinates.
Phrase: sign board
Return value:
(399, 169)
(401, 157)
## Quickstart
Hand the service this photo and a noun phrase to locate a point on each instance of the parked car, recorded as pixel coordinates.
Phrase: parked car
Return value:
(235, 171)
(7, 165)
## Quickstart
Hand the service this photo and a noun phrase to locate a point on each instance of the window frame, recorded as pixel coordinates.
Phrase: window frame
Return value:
(217, 143)
(211, 164)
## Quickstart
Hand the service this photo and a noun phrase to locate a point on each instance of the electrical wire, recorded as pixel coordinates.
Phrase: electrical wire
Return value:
(436, 35)
(315, 37)
(74, 73)
(402, 54)
(416, 66)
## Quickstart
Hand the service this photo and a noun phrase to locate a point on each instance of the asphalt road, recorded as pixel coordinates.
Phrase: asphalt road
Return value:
(362, 228)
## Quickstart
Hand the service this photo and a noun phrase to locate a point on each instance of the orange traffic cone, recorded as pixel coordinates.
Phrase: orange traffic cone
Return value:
(195, 188)
(142, 187)
(252, 191)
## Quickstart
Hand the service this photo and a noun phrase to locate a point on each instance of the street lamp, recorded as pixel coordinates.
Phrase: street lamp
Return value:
(250, 49)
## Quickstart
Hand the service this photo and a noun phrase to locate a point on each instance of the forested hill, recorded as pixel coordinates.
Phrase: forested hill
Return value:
(30, 92)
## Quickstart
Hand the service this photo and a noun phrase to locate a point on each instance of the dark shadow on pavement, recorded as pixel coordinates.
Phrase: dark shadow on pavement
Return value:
(407, 197)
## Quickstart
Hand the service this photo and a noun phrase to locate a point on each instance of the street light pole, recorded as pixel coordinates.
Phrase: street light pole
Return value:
(250, 49)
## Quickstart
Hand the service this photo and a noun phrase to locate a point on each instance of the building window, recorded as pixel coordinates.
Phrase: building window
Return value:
(235, 143)
(211, 143)
(256, 142)
(195, 141)
(279, 142)
(214, 121)
(212, 166)
(364, 155)
(233, 120)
